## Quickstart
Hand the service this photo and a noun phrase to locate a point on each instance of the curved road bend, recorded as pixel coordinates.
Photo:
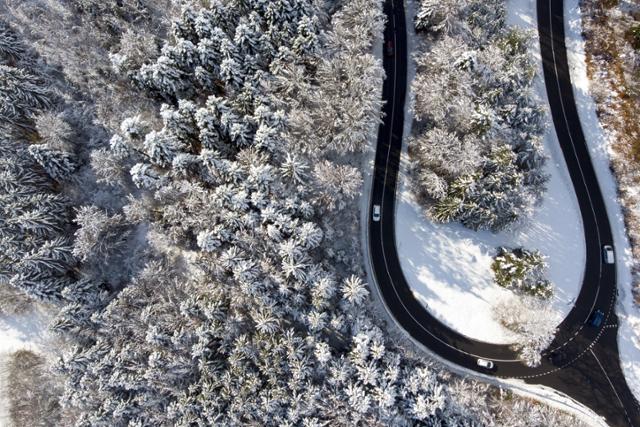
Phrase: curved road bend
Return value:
(591, 372)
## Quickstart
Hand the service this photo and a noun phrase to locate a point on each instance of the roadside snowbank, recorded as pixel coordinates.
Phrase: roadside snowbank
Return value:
(598, 141)
(449, 266)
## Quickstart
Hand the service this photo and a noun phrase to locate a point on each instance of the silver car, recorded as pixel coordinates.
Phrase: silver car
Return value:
(608, 255)
(376, 213)
(484, 363)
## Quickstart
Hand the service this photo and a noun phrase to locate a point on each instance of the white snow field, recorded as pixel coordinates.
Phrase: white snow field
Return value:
(598, 141)
(448, 266)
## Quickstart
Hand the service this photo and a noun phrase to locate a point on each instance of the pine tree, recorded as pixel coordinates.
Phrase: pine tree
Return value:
(522, 270)
(11, 47)
(22, 94)
(164, 76)
(98, 234)
(54, 131)
(354, 290)
(60, 165)
(144, 176)
(162, 147)
(306, 42)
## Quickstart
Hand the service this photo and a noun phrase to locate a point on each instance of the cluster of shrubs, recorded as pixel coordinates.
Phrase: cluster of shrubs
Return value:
(522, 271)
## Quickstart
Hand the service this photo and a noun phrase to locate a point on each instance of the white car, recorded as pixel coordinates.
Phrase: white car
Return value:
(607, 254)
(487, 364)
(376, 213)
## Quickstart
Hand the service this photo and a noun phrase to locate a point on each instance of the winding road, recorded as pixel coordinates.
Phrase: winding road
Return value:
(590, 372)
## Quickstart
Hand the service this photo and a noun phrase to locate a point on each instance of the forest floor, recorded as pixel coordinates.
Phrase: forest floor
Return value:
(628, 312)
(449, 266)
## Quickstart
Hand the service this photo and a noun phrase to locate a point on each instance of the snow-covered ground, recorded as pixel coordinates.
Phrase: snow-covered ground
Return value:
(28, 331)
(628, 312)
(448, 266)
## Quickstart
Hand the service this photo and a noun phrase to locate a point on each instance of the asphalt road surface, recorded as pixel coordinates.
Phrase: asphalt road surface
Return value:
(589, 371)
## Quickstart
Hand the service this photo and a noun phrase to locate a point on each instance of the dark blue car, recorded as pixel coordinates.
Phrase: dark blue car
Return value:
(596, 318)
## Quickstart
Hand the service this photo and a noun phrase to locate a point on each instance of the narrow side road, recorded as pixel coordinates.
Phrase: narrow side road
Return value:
(591, 373)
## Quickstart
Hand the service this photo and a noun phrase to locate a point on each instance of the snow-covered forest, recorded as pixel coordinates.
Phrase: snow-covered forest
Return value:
(476, 144)
(180, 182)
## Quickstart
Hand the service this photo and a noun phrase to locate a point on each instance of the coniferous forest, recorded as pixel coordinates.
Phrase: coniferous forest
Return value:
(180, 187)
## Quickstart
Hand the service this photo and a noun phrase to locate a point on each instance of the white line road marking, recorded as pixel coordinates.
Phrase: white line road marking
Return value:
(384, 188)
(566, 123)
(612, 387)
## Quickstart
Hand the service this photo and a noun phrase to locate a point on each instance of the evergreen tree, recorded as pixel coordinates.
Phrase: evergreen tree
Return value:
(21, 94)
(11, 47)
(523, 271)
(60, 165)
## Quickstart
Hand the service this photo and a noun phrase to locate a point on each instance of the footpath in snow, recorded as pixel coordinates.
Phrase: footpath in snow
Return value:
(449, 266)
(597, 139)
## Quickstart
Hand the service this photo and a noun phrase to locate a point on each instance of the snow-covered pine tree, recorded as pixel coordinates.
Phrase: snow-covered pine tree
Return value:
(477, 160)
(11, 47)
(60, 165)
(22, 94)
(36, 257)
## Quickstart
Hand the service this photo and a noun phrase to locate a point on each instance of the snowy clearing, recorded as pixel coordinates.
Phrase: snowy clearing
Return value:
(448, 266)
(628, 312)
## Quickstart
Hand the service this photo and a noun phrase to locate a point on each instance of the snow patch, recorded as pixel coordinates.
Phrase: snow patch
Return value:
(449, 267)
(28, 331)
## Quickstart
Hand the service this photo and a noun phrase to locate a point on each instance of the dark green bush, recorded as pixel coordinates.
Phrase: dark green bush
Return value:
(522, 271)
